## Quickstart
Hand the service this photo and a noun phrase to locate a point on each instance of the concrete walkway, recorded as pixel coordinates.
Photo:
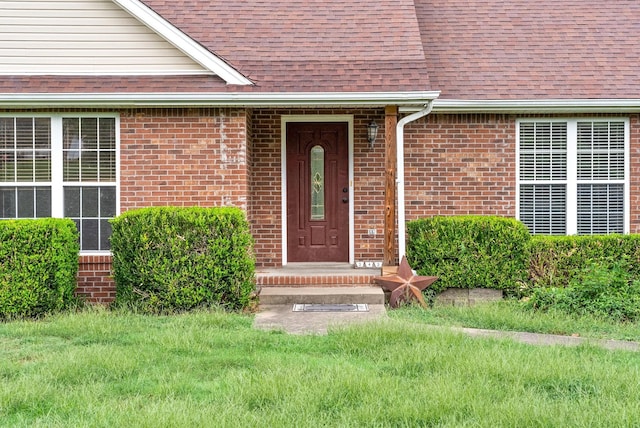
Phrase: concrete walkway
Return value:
(282, 317)
(549, 339)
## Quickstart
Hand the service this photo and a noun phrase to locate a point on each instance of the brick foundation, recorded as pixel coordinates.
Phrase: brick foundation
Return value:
(95, 282)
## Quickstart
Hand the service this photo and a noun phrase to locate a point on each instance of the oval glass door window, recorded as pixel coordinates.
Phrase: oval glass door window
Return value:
(317, 183)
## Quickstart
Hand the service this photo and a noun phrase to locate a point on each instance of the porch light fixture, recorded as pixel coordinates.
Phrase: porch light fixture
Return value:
(372, 133)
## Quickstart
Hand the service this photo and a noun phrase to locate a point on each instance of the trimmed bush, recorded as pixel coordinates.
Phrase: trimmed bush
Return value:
(171, 259)
(470, 251)
(555, 261)
(38, 266)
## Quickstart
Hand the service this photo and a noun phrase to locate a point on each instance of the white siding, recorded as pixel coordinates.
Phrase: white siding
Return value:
(82, 37)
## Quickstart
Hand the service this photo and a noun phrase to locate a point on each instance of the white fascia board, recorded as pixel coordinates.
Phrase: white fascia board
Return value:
(232, 99)
(537, 106)
(183, 42)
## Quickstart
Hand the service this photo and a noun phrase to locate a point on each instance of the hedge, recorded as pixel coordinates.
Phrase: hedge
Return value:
(555, 261)
(605, 289)
(168, 259)
(469, 251)
(38, 266)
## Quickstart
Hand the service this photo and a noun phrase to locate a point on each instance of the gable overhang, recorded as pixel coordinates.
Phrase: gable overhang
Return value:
(231, 99)
(184, 43)
(537, 106)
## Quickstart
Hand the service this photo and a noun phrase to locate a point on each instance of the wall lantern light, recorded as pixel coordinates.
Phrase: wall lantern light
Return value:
(372, 133)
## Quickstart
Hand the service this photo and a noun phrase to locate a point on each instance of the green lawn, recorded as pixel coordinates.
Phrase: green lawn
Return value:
(211, 369)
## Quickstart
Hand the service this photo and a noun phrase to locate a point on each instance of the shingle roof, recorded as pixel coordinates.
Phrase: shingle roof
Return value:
(282, 46)
(519, 49)
(309, 45)
(467, 49)
(107, 84)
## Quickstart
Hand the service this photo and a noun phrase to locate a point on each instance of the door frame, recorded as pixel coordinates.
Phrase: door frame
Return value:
(345, 118)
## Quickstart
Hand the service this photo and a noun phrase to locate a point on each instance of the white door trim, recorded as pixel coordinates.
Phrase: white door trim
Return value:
(283, 156)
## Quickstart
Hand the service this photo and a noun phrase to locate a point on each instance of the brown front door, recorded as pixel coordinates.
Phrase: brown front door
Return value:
(317, 192)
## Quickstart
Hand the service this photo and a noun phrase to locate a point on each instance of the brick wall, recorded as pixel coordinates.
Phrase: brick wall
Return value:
(265, 205)
(460, 164)
(369, 187)
(454, 165)
(183, 157)
(265, 200)
(178, 157)
(465, 164)
(94, 279)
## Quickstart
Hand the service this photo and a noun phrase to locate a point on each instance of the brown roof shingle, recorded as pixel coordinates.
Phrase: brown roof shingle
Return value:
(283, 46)
(309, 45)
(110, 84)
(519, 49)
(467, 49)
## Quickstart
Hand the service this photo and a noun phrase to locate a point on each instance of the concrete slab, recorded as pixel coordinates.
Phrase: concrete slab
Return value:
(282, 317)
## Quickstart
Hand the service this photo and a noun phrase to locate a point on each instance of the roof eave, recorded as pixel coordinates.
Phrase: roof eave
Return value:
(231, 99)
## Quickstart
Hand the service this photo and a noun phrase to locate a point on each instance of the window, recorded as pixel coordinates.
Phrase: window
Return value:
(317, 183)
(572, 176)
(61, 166)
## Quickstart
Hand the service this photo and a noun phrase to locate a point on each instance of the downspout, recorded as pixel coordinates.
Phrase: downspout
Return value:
(402, 244)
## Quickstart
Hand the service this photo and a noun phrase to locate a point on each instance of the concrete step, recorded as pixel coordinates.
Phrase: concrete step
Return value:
(328, 295)
(293, 278)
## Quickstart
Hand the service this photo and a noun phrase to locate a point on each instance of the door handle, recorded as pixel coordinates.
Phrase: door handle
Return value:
(345, 200)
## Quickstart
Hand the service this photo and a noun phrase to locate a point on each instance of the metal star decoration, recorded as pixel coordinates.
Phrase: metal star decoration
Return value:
(404, 285)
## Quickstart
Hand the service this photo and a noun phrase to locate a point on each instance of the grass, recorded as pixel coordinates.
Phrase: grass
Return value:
(509, 315)
(98, 368)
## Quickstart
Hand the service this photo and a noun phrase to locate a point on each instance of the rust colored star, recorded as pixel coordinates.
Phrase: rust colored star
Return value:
(404, 285)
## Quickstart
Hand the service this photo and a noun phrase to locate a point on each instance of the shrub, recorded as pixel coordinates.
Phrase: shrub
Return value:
(604, 289)
(555, 261)
(168, 259)
(470, 251)
(38, 266)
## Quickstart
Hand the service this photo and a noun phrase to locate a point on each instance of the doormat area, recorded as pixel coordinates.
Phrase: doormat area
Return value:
(339, 307)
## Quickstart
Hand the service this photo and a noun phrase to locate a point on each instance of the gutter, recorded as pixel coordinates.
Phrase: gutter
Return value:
(568, 106)
(225, 99)
(400, 173)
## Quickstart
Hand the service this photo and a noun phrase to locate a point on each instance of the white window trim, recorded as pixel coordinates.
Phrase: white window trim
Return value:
(57, 157)
(572, 167)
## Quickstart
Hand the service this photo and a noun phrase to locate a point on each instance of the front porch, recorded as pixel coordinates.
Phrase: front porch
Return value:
(327, 284)
(318, 283)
